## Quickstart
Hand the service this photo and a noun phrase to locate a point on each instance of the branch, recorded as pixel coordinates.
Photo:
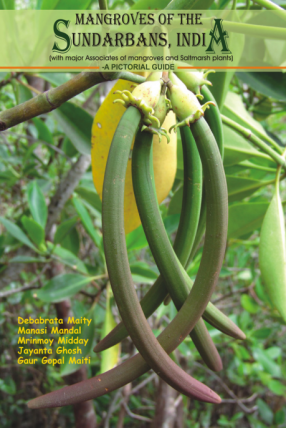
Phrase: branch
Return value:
(228, 390)
(52, 99)
(65, 190)
(5, 82)
(246, 133)
(32, 285)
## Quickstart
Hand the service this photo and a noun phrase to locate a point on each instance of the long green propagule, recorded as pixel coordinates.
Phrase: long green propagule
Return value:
(118, 264)
(164, 255)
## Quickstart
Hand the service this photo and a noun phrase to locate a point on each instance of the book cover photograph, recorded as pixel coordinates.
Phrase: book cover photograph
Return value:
(142, 214)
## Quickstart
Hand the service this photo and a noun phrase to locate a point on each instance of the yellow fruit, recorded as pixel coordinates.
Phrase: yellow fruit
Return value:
(164, 155)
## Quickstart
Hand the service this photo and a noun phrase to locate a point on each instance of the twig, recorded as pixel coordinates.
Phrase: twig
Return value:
(52, 99)
(65, 190)
(255, 140)
(143, 383)
(228, 390)
(5, 82)
(231, 293)
(31, 88)
(135, 416)
(242, 400)
(111, 408)
(30, 286)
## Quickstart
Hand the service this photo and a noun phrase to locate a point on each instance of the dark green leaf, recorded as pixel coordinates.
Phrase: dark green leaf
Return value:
(37, 203)
(87, 222)
(136, 239)
(142, 273)
(237, 148)
(62, 287)
(241, 187)
(44, 134)
(17, 233)
(277, 387)
(76, 124)
(68, 258)
(245, 217)
(271, 84)
(26, 259)
(249, 304)
(64, 229)
(71, 241)
(269, 366)
(90, 196)
(175, 205)
(264, 411)
(35, 231)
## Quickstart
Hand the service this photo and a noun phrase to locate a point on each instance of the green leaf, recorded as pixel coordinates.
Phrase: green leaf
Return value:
(35, 232)
(271, 84)
(109, 357)
(68, 148)
(272, 254)
(68, 258)
(72, 241)
(279, 416)
(76, 124)
(44, 134)
(136, 239)
(62, 287)
(261, 333)
(87, 333)
(8, 386)
(265, 411)
(175, 205)
(22, 93)
(37, 204)
(90, 196)
(17, 233)
(241, 187)
(65, 4)
(269, 366)
(249, 304)
(86, 221)
(273, 352)
(235, 110)
(141, 273)
(26, 259)
(237, 148)
(64, 229)
(277, 387)
(245, 218)
(188, 5)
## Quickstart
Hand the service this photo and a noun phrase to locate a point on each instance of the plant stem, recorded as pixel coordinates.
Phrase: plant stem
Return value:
(103, 4)
(251, 29)
(52, 99)
(260, 134)
(255, 140)
(268, 4)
